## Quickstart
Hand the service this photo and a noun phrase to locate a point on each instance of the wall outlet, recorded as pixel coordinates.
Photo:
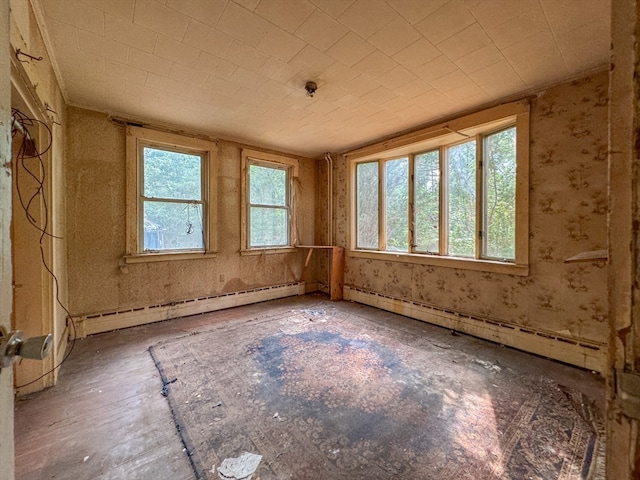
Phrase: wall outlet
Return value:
(221, 277)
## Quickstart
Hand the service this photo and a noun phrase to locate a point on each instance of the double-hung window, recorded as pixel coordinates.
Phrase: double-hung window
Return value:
(268, 208)
(457, 197)
(170, 207)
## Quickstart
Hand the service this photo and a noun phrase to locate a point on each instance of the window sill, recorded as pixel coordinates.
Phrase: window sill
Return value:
(267, 251)
(167, 256)
(438, 261)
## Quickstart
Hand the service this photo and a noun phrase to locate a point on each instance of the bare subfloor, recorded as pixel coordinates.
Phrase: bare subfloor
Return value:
(106, 418)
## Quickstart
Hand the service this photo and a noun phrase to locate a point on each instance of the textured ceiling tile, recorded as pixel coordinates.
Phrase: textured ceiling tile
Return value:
(160, 19)
(248, 4)
(126, 72)
(333, 7)
(215, 66)
(375, 64)
(125, 32)
(350, 49)
(146, 61)
(285, 14)
(280, 44)
(396, 78)
(379, 96)
(417, 54)
(208, 12)
(430, 98)
(436, 68)
(464, 42)
(564, 16)
(90, 42)
(117, 8)
(188, 76)
(491, 13)
(580, 47)
(361, 85)
(242, 24)
(320, 30)
(414, 88)
(63, 36)
(537, 59)
(366, 17)
(274, 90)
(176, 51)
(246, 78)
(205, 38)
(450, 81)
(244, 56)
(75, 13)
(445, 22)
(311, 61)
(339, 73)
(498, 73)
(394, 36)
(481, 58)
(278, 70)
(465, 91)
(527, 24)
(165, 84)
(415, 10)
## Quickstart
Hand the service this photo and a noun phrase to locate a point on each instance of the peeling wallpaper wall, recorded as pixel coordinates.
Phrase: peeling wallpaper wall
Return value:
(568, 215)
(100, 281)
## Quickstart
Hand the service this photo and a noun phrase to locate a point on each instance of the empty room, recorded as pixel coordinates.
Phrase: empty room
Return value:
(319, 239)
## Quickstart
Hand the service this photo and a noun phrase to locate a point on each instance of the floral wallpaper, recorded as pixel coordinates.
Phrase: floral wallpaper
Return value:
(568, 215)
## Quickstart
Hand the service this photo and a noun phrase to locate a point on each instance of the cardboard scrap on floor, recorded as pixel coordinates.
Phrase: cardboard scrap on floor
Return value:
(240, 468)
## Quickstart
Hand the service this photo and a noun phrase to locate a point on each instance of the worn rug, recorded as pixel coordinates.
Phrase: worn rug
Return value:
(324, 394)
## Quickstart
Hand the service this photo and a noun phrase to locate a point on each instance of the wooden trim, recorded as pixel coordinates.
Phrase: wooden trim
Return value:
(443, 261)
(337, 273)
(136, 137)
(522, 188)
(89, 324)
(477, 119)
(582, 353)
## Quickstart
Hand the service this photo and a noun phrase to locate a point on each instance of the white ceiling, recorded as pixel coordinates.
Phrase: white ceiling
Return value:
(237, 69)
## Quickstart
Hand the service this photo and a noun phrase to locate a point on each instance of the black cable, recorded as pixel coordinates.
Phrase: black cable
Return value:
(20, 122)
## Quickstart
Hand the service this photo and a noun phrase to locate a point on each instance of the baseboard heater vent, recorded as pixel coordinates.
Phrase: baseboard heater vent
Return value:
(582, 353)
(90, 324)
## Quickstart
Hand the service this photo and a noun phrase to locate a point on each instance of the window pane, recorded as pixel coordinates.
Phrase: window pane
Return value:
(397, 204)
(268, 227)
(500, 194)
(427, 201)
(172, 175)
(267, 186)
(172, 226)
(367, 204)
(461, 185)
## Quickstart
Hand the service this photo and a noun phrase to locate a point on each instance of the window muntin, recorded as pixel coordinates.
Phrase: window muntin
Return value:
(499, 202)
(426, 200)
(460, 214)
(269, 205)
(446, 184)
(172, 203)
(367, 205)
(396, 194)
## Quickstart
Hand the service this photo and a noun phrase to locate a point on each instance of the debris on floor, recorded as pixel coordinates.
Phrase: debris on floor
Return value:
(488, 365)
(240, 468)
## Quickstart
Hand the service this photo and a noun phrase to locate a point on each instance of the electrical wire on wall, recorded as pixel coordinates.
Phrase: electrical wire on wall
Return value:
(29, 161)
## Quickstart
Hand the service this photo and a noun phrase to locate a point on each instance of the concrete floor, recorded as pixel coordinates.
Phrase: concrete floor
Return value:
(106, 418)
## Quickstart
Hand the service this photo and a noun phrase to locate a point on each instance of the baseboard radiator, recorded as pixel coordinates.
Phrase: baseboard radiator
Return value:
(581, 353)
(90, 324)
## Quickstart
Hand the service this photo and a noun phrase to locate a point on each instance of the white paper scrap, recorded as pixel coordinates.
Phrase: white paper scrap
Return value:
(240, 468)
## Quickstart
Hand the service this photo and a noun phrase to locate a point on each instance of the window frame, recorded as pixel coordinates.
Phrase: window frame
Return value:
(290, 166)
(137, 138)
(476, 127)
